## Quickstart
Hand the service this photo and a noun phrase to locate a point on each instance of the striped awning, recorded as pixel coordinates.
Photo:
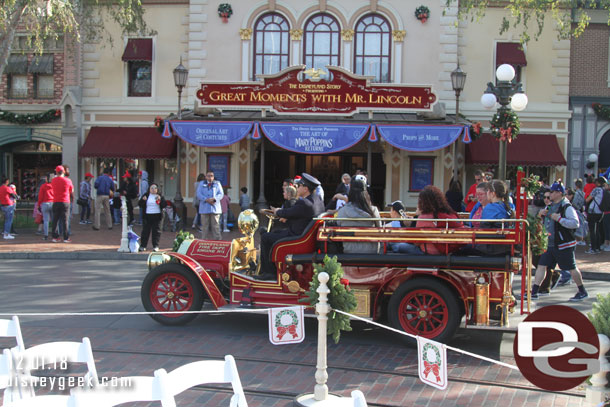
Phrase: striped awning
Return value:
(41, 64)
(17, 64)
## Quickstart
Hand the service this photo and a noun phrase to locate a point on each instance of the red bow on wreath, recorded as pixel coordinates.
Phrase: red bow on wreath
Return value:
(281, 331)
(505, 134)
(432, 367)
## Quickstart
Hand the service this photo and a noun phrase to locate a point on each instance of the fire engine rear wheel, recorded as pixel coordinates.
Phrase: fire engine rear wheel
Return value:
(425, 307)
(172, 287)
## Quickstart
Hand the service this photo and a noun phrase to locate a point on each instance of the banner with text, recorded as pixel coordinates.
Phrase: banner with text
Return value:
(314, 138)
(420, 138)
(211, 134)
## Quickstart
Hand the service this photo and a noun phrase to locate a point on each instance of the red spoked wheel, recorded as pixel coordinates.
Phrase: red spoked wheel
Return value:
(425, 307)
(172, 287)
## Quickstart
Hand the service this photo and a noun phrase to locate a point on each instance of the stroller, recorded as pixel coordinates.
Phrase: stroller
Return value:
(170, 219)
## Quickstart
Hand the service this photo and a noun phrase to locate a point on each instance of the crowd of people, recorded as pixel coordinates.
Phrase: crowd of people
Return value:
(571, 216)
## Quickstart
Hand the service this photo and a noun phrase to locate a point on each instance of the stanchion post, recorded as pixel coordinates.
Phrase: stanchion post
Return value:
(124, 240)
(322, 309)
(598, 390)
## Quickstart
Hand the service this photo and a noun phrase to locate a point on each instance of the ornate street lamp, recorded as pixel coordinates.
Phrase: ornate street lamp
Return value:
(458, 80)
(505, 92)
(180, 77)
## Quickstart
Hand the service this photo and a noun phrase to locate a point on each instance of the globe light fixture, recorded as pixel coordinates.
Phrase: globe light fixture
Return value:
(509, 95)
(592, 158)
(488, 100)
(505, 72)
(518, 102)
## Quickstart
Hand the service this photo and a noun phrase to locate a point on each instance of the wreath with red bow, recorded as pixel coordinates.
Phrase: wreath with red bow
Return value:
(505, 125)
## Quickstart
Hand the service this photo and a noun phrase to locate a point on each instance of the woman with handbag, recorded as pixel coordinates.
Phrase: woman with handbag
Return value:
(152, 205)
(84, 199)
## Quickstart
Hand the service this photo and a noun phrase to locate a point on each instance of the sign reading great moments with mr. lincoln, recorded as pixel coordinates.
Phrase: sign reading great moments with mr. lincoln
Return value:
(335, 91)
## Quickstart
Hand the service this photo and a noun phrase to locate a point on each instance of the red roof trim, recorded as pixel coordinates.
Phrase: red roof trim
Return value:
(510, 53)
(138, 49)
(525, 150)
(127, 142)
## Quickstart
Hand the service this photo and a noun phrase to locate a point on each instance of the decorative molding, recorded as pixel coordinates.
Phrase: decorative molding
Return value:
(399, 35)
(347, 34)
(245, 33)
(296, 34)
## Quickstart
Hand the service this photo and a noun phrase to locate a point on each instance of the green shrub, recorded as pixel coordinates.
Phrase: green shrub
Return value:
(600, 315)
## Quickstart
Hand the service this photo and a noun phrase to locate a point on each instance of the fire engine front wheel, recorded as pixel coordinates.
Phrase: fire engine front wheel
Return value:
(425, 307)
(171, 287)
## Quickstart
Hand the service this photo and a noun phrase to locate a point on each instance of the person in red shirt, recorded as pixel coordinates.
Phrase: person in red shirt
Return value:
(589, 186)
(6, 202)
(471, 197)
(45, 202)
(62, 190)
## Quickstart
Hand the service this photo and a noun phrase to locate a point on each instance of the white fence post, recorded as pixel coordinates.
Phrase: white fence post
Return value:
(596, 392)
(321, 389)
(124, 240)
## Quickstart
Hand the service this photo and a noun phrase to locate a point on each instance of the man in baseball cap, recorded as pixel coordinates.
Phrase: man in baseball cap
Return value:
(297, 218)
(560, 221)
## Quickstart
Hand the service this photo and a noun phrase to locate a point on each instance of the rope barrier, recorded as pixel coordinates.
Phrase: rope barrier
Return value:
(474, 355)
(251, 311)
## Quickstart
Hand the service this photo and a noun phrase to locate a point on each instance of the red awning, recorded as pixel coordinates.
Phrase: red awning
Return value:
(127, 142)
(528, 150)
(138, 49)
(510, 53)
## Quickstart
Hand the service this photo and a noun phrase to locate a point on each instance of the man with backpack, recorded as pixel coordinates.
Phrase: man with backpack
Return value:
(561, 220)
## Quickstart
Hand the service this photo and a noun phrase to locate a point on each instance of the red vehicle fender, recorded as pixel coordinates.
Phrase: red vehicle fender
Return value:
(410, 274)
(208, 284)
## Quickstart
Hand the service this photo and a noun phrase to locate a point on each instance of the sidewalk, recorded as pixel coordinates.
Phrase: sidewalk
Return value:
(89, 244)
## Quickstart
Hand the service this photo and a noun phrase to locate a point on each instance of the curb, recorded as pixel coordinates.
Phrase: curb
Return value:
(592, 275)
(74, 256)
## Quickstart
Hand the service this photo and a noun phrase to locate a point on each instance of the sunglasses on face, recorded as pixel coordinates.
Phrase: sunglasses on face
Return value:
(547, 197)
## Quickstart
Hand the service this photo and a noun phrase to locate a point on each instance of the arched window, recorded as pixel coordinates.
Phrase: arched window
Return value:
(271, 44)
(372, 47)
(321, 44)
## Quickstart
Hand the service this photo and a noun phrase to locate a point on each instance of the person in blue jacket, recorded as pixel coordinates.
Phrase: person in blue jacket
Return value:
(209, 194)
(499, 206)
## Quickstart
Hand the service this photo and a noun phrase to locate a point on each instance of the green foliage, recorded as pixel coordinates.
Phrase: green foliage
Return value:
(85, 20)
(181, 237)
(602, 111)
(600, 315)
(340, 297)
(569, 17)
(505, 125)
(30, 118)
(538, 235)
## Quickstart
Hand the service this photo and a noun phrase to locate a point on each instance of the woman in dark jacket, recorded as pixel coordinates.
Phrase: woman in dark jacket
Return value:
(151, 204)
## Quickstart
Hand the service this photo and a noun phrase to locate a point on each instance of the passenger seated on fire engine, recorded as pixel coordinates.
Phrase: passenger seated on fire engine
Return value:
(307, 207)
(431, 204)
(358, 206)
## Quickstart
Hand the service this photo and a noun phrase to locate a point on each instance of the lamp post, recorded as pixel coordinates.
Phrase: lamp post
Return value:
(505, 92)
(180, 77)
(458, 80)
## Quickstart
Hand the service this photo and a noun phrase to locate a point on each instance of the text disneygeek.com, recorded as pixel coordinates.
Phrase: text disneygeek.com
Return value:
(67, 382)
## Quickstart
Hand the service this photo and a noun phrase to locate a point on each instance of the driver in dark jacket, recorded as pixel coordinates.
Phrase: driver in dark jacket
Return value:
(297, 218)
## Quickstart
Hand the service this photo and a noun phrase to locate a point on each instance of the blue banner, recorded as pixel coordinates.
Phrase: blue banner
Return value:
(419, 138)
(314, 138)
(211, 134)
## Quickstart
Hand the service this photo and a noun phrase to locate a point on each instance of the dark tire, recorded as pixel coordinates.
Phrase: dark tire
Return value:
(172, 287)
(425, 307)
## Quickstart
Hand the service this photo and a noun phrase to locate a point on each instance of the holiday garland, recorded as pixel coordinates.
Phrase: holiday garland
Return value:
(181, 237)
(225, 10)
(422, 13)
(505, 125)
(602, 111)
(476, 130)
(30, 118)
(340, 297)
(159, 124)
